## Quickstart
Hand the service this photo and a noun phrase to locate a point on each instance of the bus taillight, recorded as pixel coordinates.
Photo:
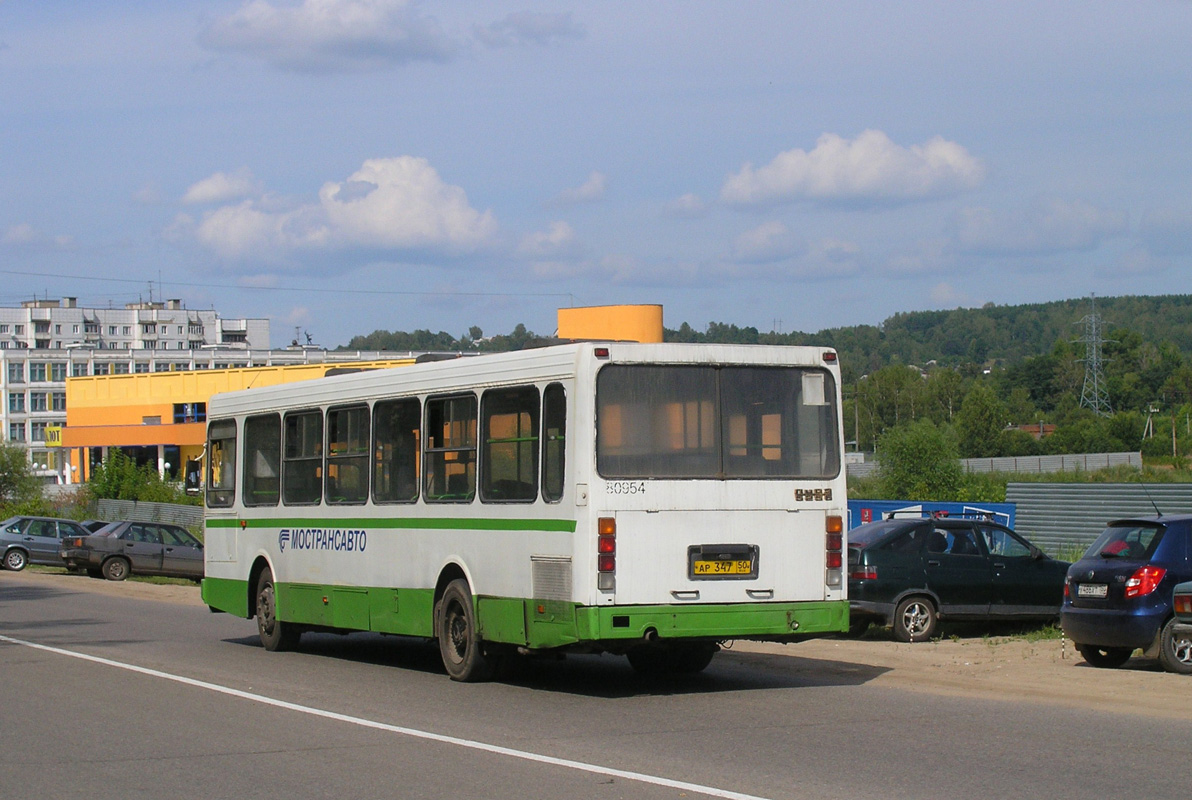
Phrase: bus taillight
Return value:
(834, 549)
(606, 553)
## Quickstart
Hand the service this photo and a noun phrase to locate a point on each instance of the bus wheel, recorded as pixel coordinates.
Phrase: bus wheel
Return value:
(459, 640)
(275, 634)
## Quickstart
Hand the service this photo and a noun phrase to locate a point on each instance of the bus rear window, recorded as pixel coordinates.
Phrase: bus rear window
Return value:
(715, 422)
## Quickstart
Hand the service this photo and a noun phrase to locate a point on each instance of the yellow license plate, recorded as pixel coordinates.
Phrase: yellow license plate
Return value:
(737, 567)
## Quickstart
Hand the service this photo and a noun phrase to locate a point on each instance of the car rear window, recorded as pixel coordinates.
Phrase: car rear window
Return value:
(866, 535)
(1134, 541)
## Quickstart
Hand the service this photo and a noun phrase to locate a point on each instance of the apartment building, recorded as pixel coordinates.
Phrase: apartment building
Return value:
(43, 342)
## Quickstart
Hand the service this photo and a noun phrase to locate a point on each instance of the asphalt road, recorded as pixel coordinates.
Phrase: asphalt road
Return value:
(106, 696)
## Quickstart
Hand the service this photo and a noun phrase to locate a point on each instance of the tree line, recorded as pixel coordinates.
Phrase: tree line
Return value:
(976, 375)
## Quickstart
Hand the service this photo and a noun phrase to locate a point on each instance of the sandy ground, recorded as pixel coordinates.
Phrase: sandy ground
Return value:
(968, 664)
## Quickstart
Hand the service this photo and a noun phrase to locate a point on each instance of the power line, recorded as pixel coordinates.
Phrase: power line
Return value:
(226, 287)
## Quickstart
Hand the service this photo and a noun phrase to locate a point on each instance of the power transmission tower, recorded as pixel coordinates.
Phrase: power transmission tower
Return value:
(1094, 395)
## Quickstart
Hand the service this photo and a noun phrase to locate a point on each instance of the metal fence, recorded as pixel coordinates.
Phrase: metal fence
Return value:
(1065, 518)
(1082, 462)
(186, 516)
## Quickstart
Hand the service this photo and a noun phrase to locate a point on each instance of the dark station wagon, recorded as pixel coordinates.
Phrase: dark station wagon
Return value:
(909, 573)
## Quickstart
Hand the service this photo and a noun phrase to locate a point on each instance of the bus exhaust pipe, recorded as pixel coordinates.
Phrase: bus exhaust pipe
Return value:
(651, 636)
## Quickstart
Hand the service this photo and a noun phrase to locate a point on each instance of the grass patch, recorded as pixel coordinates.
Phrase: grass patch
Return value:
(161, 580)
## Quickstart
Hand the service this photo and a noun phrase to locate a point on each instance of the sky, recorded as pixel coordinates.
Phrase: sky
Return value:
(345, 166)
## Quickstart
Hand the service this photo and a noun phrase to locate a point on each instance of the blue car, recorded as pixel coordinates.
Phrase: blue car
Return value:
(1118, 596)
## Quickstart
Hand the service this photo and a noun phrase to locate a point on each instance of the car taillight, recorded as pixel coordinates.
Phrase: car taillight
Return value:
(606, 553)
(865, 573)
(1144, 581)
(1183, 603)
(1067, 587)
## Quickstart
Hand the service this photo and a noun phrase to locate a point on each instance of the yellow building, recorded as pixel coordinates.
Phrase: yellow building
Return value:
(162, 416)
(636, 323)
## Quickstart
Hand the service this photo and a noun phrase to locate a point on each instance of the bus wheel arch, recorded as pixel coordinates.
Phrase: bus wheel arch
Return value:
(254, 577)
(464, 654)
(276, 635)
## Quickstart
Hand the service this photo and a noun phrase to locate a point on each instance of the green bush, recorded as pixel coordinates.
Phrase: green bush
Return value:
(919, 461)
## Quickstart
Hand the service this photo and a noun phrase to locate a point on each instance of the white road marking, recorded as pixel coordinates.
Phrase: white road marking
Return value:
(710, 791)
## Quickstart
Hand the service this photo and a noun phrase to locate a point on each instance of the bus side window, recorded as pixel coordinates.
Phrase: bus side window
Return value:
(302, 467)
(451, 449)
(554, 441)
(221, 464)
(347, 455)
(262, 460)
(509, 430)
(396, 450)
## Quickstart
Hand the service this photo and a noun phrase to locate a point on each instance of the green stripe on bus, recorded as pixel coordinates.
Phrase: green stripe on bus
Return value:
(423, 523)
(537, 624)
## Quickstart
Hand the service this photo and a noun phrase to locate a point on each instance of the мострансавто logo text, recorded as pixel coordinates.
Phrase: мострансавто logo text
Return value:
(322, 539)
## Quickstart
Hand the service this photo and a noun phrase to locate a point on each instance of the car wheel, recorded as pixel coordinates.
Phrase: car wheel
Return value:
(459, 637)
(16, 559)
(115, 569)
(915, 620)
(1104, 657)
(276, 635)
(1175, 649)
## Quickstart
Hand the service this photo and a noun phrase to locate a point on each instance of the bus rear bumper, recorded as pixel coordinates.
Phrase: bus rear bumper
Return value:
(768, 621)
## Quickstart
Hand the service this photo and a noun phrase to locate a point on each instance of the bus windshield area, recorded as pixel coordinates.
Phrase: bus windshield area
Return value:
(716, 422)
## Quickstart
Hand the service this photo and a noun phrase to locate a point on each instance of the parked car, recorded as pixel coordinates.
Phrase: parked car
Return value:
(142, 548)
(1118, 596)
(34, 540)
(909, 573)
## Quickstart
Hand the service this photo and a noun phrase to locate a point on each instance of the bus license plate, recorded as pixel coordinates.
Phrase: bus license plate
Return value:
(1092, 590)
(735, 567)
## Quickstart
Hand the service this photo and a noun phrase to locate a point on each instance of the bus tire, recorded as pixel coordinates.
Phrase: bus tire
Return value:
(460, 645)
(276, 635)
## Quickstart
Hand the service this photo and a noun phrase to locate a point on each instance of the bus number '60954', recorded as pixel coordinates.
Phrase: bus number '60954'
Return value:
(626, 487)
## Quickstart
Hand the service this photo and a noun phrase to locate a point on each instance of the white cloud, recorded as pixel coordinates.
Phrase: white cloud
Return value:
(1167, 232)
(770, 241)
(925, 257)
(390, 204)
(589, 192)
(772, 249)
(222, 187)
(147, 195)
(1047, 226)
(557, 241)
(22, 233)
(331, 35)
(944, 295)
(529, 28)
(868, 168)
(25, 235)
(689, 205)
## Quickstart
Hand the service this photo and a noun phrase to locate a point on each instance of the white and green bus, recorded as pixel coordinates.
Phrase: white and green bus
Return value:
(652, 500)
